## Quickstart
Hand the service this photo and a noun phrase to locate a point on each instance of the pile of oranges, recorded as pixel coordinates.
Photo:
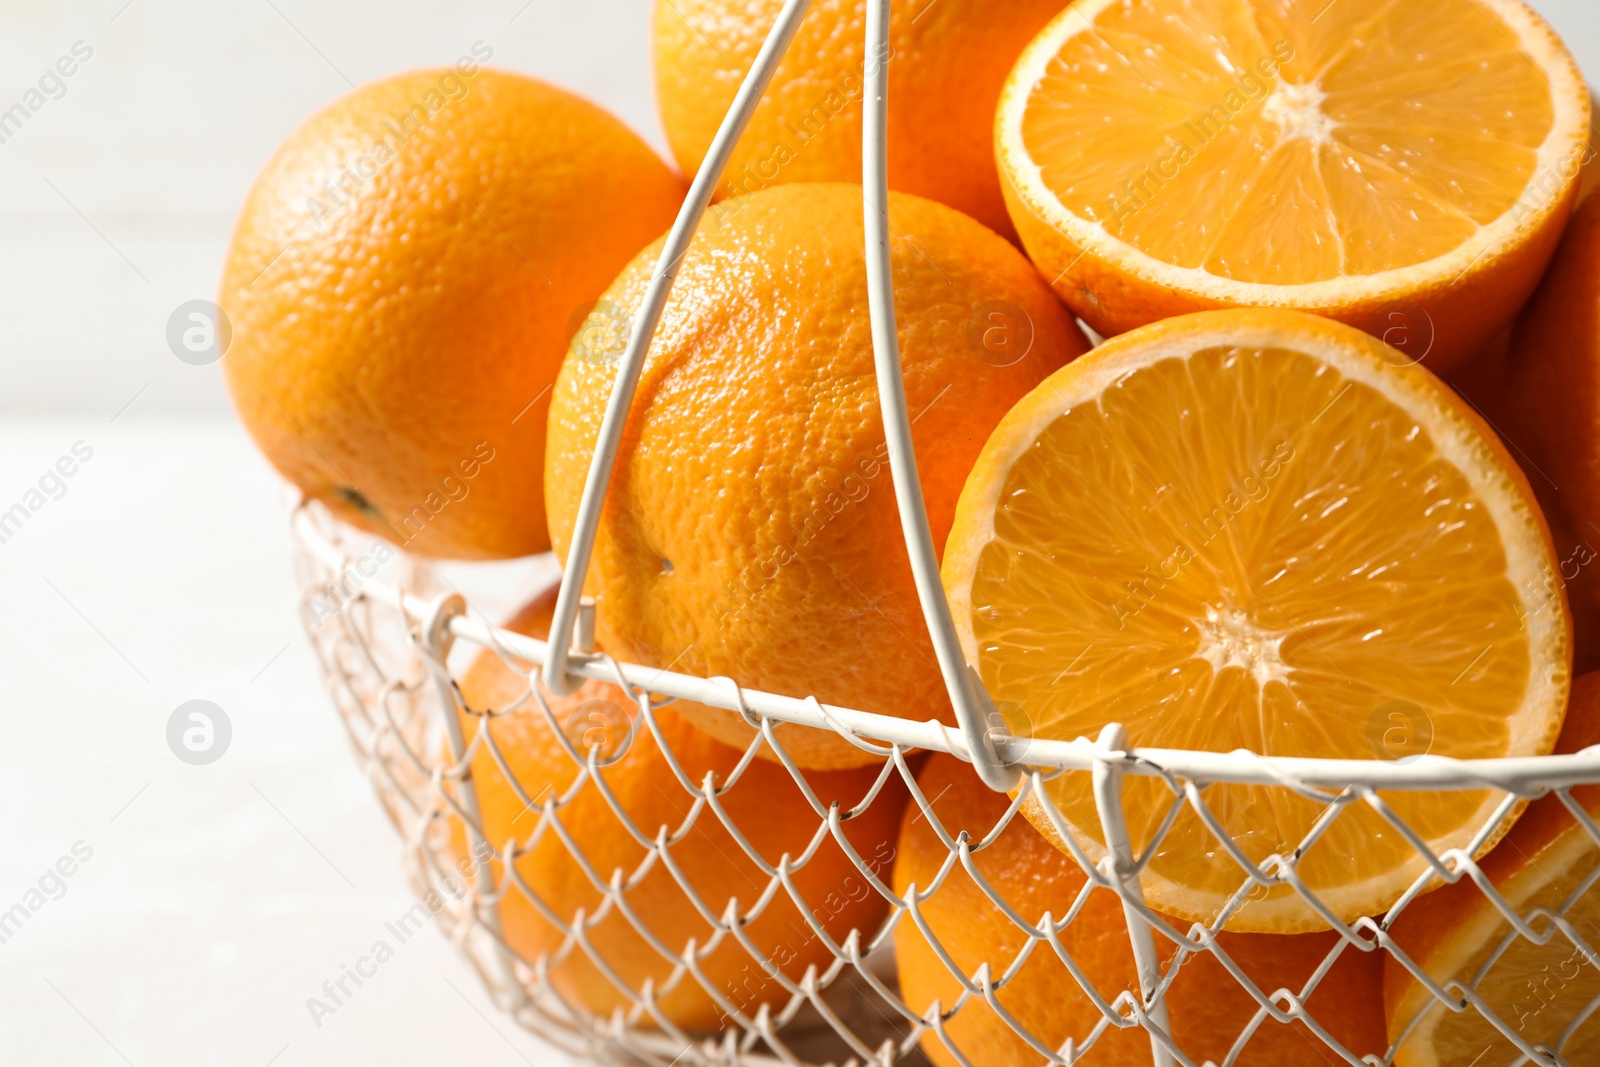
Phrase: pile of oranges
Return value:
(1254, 372)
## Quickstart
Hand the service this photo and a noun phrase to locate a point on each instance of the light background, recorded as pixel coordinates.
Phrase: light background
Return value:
(218, 898)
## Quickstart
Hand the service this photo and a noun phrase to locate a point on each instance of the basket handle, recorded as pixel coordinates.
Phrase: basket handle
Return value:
(965, 690)
(967, 695)
(604, 460)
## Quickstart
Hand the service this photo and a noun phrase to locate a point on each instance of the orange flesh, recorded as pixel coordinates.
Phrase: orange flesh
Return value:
(1273, 142)
(1245, 549)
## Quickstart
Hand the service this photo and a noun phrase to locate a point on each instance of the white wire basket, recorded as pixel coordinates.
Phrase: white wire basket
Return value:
(385, 643)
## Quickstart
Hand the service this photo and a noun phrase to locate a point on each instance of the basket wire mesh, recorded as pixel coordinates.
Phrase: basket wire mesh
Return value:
(384, 645)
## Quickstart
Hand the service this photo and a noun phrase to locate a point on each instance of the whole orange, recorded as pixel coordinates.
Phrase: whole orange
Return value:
(948, 60)
(750, 529)
(1554, 373)
(1485, 383)
(1547, 405)
(401, 282)
(1207, 1006)
(560, 812)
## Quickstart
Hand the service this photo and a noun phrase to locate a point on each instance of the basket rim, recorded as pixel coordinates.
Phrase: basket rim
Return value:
(1525, 776)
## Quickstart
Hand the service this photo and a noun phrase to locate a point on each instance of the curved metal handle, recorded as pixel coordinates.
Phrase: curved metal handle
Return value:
(604, 461)
(966, 691)
(1121, 864)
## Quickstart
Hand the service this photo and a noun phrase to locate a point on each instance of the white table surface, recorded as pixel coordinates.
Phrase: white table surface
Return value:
(217, 898)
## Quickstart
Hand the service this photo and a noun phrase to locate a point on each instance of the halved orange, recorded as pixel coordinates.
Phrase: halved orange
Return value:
(1457, 936)
(1403, 167)
(1260, 529)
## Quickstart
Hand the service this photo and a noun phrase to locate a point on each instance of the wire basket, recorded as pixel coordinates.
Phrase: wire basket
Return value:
(385, 641)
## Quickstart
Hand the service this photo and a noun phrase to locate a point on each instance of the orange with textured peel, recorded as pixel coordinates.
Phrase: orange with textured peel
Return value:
(764, 803)
(401, 284)
(1554, 373)
(1208, 1008)
(949, 59)
(1391, 165)
(750, 529)
(1261, 530)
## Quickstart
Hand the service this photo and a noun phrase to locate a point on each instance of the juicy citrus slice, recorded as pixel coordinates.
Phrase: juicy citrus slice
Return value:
(1403, 167)
(1547, 861)
(1248, 529)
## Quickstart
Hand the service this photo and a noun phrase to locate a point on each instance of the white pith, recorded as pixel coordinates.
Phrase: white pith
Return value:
(1296, 109)
(1230, 638)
